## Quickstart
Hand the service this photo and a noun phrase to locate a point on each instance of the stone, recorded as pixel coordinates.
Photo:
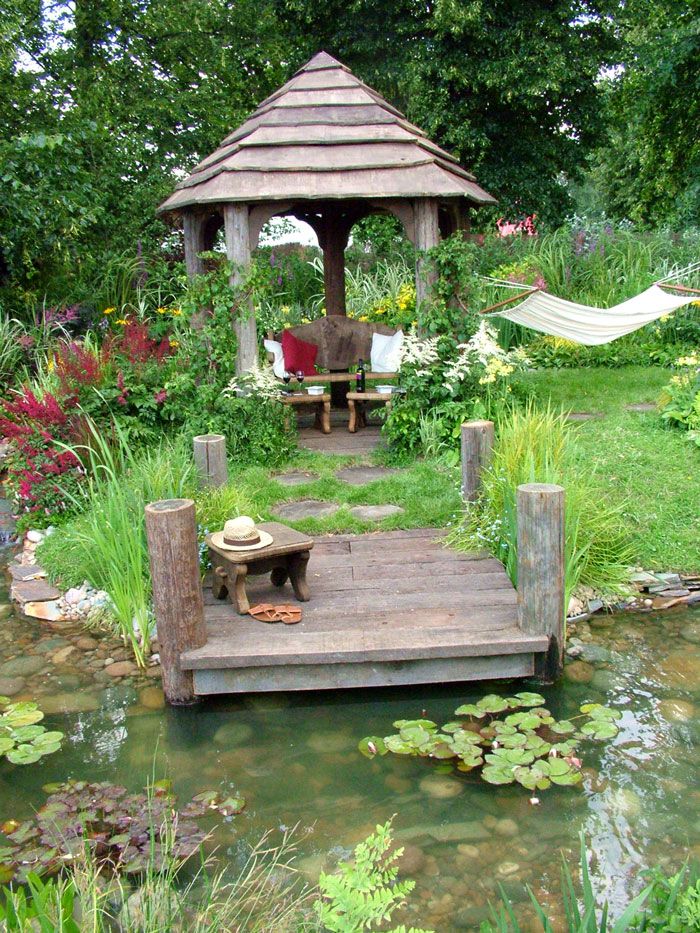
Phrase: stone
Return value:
(676, 710)
(35, 536)
(469, 918)
(73, 702)
(23, 666)
(362, 475)
(49, 611)
(231, 733)
(691, 633)
(641, 407)
(73, 596)
(584, 415)
(506, 869)
(9, 686)
(412, 861)
(468, 851)
(462, 831)
(579, 672)
(400, 785)
(26, 572)
(295, 478)
(62, 655)
(375, 513)
(47, 645)
(87, 643)
(152, 698)
(604, 680)
(305, 508)
(507, 828)
(121, 669)
(593, 653)
(38, 591)
(681, 669)
(625, 801)
(441, 787)
(324, 743)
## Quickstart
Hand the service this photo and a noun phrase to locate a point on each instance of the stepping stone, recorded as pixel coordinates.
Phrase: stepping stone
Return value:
(36, 591)
(361, 475)
(305, 508)
(49, 610)
(295, 478)
(22, 572)
(584, 415)
(375, 513)
(641, 406)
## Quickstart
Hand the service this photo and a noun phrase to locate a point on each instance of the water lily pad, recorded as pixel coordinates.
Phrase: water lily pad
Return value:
(523, 721)
(510, 756)
(395, 744)
(470, 709)
(598, 711)
(516, 740)
(599, 729)
(562, 773)
(231, 806)
(426, 724)
(535, 777)
(529, 699)
(492, 703)
(498, 774)
(563, 727)
(372, 745)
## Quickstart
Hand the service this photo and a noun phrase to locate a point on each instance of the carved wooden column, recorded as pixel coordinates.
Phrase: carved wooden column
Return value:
(237, 234)
(427, 236)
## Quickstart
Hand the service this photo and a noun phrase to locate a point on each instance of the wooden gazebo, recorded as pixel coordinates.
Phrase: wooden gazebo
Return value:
(328, 150)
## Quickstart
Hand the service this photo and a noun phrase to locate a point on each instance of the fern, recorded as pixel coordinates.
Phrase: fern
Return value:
(364, 892)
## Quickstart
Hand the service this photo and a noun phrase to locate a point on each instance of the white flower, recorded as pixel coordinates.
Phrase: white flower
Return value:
(260, 381)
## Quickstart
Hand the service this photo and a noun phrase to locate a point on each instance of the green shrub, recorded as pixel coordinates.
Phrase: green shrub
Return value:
(537, 446)
(680, 399)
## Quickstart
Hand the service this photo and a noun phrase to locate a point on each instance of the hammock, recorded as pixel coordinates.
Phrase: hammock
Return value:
(585, 324)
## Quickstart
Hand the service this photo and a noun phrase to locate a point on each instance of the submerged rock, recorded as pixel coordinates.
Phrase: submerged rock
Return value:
(23, 666)
(441, 787)
(231, 733)
(69, 703)
(676, 710)
(9, 686)
(579, 672)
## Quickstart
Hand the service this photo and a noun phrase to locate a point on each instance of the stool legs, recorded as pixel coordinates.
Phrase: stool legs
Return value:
(241, 598)
(296, 564)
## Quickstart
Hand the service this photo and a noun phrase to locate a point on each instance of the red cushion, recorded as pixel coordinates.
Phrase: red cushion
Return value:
(298, 354)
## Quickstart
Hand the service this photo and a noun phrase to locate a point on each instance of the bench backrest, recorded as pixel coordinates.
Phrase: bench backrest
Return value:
(341, 340)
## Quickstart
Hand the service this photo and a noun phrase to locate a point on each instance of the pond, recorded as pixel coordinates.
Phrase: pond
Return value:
(295, 759)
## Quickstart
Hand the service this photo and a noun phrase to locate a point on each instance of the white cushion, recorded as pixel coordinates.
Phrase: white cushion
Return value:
(275, 348)
(386, 352)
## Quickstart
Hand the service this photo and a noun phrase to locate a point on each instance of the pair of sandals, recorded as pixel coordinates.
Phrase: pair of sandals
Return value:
(267, 612)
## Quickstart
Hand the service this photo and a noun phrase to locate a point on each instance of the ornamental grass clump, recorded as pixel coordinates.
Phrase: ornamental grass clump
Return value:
(536, 445)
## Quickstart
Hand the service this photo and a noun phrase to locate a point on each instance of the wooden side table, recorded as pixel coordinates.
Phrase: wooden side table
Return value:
(322, 403)
(356, 407)
(285, 559)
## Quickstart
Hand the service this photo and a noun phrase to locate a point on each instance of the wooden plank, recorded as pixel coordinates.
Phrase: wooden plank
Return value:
(361, 645)
(378, 674)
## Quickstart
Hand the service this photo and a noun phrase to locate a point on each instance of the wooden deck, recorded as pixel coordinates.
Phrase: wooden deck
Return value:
(340, 441)
(387, 608)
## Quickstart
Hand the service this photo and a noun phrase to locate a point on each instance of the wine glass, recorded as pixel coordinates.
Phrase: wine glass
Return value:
(287, 378)
(300, 377)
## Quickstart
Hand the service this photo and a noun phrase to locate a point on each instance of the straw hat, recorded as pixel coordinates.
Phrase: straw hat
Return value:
(240, 534)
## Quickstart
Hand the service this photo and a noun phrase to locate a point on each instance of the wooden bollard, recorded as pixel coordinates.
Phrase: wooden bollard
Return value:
(477, 449)
(178, 605)
(541, 609)
(210, 459)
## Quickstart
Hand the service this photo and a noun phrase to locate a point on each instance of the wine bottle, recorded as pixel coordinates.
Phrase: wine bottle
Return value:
(360, 378)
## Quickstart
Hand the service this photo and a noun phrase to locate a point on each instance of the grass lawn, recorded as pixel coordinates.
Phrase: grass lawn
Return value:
(650, 470)
(428, 493)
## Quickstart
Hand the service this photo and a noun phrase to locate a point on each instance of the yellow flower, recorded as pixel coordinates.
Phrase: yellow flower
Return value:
(51, 365)
(161, 310)
(109, 310)
(176, 312)
(285, 309)
(363, 317)
(286, 325)
(306, 320)
(121, 320)
(174, 344)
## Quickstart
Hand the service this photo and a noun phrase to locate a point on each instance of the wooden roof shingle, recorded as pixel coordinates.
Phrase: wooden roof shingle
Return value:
(325, 135)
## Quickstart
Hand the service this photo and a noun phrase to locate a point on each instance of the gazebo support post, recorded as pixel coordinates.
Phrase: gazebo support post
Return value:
(335, 239)
(237, 233)
(427, 236)
(193, 229)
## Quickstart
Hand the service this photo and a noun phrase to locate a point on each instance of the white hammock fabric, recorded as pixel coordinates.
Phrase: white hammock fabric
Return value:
(592, 326)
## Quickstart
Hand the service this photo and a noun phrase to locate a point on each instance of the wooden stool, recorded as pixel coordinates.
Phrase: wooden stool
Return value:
(322, 403)
(356, 407)
(285, 559)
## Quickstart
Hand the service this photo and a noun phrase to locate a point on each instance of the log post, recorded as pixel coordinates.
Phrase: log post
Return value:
(210, 459)
(178, 605)
(193, 230)
(427, 233)
(237, 233)
(477, 449)
(541, 570)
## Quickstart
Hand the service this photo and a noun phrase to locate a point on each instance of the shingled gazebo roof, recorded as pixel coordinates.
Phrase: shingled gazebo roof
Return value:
(325, 136)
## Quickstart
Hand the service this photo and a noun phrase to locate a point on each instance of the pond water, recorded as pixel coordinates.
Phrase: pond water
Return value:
(295, 759)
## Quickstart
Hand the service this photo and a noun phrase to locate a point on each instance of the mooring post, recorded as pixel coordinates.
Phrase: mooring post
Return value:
(541, 609)
(477, 449)
(178, 605)
(210, 459)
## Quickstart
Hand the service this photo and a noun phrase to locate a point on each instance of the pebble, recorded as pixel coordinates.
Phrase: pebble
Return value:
(681, 669)
(34, 536)
(506, 827)
(440, 787)
(676, 710)
(121, 668)
(62, 655)
(22, 666)
(9, 686)
(506, 869)
(231, 733)
(412, 861)
(468, 851)
(152, 698)
(691, 633)
(328, 742)
(579, 672)
(87, 643)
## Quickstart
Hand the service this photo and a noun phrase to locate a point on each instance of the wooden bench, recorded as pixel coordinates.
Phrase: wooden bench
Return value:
(341, 342)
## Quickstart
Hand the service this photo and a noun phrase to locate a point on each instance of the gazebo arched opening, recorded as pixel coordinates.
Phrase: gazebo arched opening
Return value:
(328, 150)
